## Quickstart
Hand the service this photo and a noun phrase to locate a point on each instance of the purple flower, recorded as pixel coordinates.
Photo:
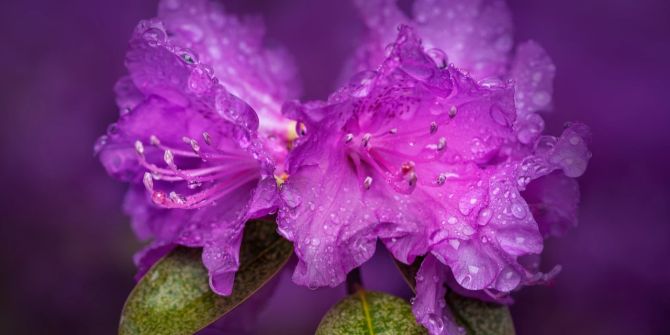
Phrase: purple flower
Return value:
(432, 162)
(188, 137)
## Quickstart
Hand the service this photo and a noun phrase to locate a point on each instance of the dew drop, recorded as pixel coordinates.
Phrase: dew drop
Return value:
(541, 99)
(435, 323)
(455, 244)
(484, 217)
(154, 36)
(518, 211)
(99, 144)
(439, 57)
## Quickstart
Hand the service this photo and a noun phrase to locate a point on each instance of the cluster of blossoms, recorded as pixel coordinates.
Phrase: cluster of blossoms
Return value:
(434, 147)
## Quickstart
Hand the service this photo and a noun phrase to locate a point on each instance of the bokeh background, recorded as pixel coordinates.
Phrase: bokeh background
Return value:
(65, 256)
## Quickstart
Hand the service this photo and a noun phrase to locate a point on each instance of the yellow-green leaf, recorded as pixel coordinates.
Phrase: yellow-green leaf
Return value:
(370, 313)
(477, 317)
(174, 297)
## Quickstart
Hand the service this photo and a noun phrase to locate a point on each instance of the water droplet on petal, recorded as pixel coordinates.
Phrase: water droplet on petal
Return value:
(435, 322)
(518, 211)
(541, 99)
(439, 57)
(188, 56)
(484, 217)
(154, 36)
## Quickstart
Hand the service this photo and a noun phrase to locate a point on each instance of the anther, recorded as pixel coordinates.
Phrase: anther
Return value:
(348, 138)
(168, 157)
(393, 131)
(433, 127)
(154, 140)
(176, 198)
(441, 144)
(195, 146)
(366, 139)
(148, 181)
(441, 179)
(207, 138)
(193, 184)
(139, 148)
(452, 111)
(367, 182)
(411, 178)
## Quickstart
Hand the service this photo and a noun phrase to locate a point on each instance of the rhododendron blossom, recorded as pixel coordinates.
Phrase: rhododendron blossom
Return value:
(191, 149)
(431, 161)
(434, 147)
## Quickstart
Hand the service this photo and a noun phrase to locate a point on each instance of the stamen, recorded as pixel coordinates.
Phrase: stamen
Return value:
(168, 157)
(148, 181)
(207, 138)
(452, 111)
(441, 144)
(433, 127)
(195, 146)
(366, 140)
(393, 131)
(193, 184)
(139, 148)
(176, 198)
(348, 138)
(411, 178)
(154, 140)
(407, 170)
(367, 182)
(210, 195)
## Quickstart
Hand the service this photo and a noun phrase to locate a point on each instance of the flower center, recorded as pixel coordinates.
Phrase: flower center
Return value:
(195, 176)
(394, 151)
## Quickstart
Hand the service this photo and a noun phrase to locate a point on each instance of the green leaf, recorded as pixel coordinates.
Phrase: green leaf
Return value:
(370, 313)
(174, 296)
(476, 316)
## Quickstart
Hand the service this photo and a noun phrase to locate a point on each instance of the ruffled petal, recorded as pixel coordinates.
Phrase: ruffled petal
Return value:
(553, 200)
(429, 305)
(234, 48)
(322, 213)
(430, 161)
(533, 75)
(193, 147)
(475, 36)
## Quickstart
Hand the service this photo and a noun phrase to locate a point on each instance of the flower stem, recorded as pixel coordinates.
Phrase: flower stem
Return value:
(354, 281)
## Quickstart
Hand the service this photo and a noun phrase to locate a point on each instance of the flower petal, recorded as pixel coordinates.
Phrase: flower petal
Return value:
(234, 47)
(533, 73)
(194, 146)
(429, 305)
(324, 216)
(474, 35)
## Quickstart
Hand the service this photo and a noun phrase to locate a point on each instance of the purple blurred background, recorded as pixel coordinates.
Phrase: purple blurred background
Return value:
(66, 255)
